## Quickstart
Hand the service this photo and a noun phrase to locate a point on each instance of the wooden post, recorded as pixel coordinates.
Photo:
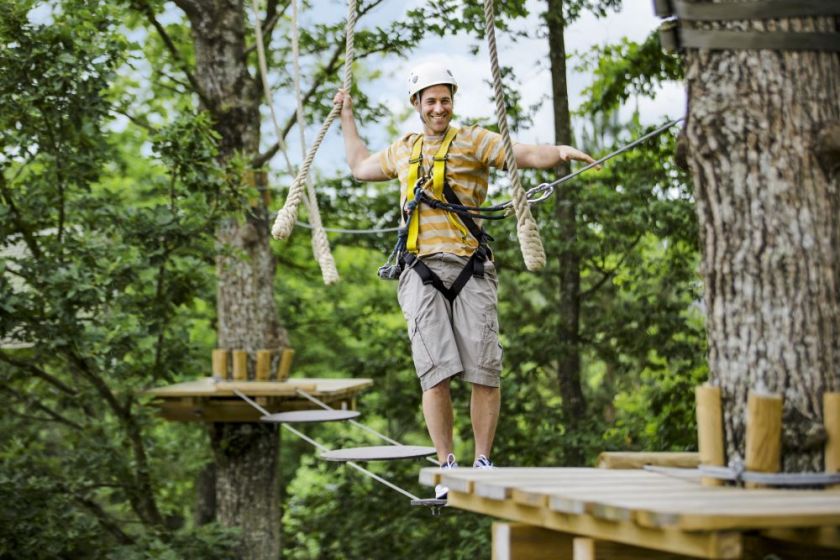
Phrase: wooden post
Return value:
(831, 418)
(220, 363)
(764, 434)
(520, 541)
(263, 365)
(285, 364)
(583, 549)
(240, 365)
(710, 429)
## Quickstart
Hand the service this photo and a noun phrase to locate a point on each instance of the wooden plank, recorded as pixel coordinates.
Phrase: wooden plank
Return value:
(583, 548)
(710, 429)
(520, 541)
(831, 420)
(431, 476)
(714, 544)
(220, 363)
(263, 365)
(637, 460)
(285, 364)
(240, 365)
(764, 434)
(504, 489)
(207, 387)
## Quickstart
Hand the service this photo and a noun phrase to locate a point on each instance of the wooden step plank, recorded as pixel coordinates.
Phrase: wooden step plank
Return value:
(378, 453)
(502, 489)
(310, 416)
(637, 460)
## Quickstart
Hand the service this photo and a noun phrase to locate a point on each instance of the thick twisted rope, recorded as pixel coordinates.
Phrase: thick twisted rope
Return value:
(320, 243)
(285, 221)
(526, 226)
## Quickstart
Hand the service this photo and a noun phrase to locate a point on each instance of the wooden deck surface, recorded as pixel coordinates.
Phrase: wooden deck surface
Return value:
(210, 401)
(637, 507)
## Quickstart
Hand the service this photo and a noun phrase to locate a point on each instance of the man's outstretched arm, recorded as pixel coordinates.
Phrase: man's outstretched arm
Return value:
(546, 156)
(363, 165)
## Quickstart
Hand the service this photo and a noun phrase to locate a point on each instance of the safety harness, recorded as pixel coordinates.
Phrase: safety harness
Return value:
(404, 253)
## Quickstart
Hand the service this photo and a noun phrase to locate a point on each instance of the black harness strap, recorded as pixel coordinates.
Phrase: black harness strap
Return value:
(474, 266)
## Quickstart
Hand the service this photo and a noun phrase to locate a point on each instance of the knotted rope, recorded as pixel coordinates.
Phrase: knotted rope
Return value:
(526, 226)
(320, 244)
(285, 221)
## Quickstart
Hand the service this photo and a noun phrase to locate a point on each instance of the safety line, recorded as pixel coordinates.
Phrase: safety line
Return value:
(321, 447)
(325, 406)
(547, 188)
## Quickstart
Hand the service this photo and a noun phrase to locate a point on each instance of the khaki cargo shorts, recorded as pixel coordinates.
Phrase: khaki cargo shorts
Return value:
(451, 339)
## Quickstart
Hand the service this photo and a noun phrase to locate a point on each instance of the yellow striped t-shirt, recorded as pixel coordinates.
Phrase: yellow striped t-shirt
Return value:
(473, 150)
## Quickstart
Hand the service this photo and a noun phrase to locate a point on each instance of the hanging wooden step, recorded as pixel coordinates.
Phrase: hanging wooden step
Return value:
(378, 453)
(310, 416)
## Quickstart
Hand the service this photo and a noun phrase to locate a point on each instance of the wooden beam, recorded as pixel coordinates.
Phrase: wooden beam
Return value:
(285, 364)
(701, 544)
(710, 429)
(520, 541)
(263, 365)
(637, 460)
(240, 365)
(583, 549)
(220, 363)
(831, 419)
(764, 434)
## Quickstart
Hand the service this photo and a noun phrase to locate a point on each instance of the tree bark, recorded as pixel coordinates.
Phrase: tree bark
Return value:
(246, 454)
(567, 349)
(768, 215)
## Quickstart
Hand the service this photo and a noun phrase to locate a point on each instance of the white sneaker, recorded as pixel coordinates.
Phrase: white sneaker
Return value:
(483, 463)
(442, 491)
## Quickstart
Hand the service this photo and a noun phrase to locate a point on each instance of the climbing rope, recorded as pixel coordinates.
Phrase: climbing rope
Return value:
(285, 221)
(320, 243)
(323, 448)
(526, 226)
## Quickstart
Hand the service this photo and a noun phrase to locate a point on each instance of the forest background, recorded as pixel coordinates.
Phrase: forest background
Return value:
(110, 194)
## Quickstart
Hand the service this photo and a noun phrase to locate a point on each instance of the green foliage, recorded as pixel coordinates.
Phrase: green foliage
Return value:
(625, 70)
(109, 194)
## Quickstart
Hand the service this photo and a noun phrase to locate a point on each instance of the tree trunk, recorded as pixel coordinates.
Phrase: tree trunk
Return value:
(246, 454)
(768, 216)
(567, 349)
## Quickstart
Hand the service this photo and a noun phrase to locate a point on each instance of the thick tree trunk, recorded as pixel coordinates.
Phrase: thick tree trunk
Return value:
(246, 454)
(769, 229)
(567, 349)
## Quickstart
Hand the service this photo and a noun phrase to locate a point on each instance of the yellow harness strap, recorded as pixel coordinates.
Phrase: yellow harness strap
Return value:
(438, 178)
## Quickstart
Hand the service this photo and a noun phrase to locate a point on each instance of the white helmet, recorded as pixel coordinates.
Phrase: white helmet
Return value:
(429, 74)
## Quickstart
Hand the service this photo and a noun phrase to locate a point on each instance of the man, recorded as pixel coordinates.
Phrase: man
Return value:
(451, 334)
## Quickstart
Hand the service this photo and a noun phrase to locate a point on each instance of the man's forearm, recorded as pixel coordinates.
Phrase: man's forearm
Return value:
(354, 147)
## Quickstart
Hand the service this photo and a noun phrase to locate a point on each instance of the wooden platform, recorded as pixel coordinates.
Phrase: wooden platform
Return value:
(207, 401)
(641, 508)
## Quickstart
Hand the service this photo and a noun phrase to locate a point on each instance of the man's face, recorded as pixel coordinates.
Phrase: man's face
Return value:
(434, 104)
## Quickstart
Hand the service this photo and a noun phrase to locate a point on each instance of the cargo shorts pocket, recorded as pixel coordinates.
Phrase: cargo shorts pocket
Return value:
(491, 348)
(419, 350)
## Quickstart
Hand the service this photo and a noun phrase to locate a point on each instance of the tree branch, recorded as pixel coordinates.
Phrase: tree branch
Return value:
(25, 230)
(265, 157)
(39, 373)
(32, 402)
(105, 520)
(607, 274)
(142, 495)
(146, 9)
